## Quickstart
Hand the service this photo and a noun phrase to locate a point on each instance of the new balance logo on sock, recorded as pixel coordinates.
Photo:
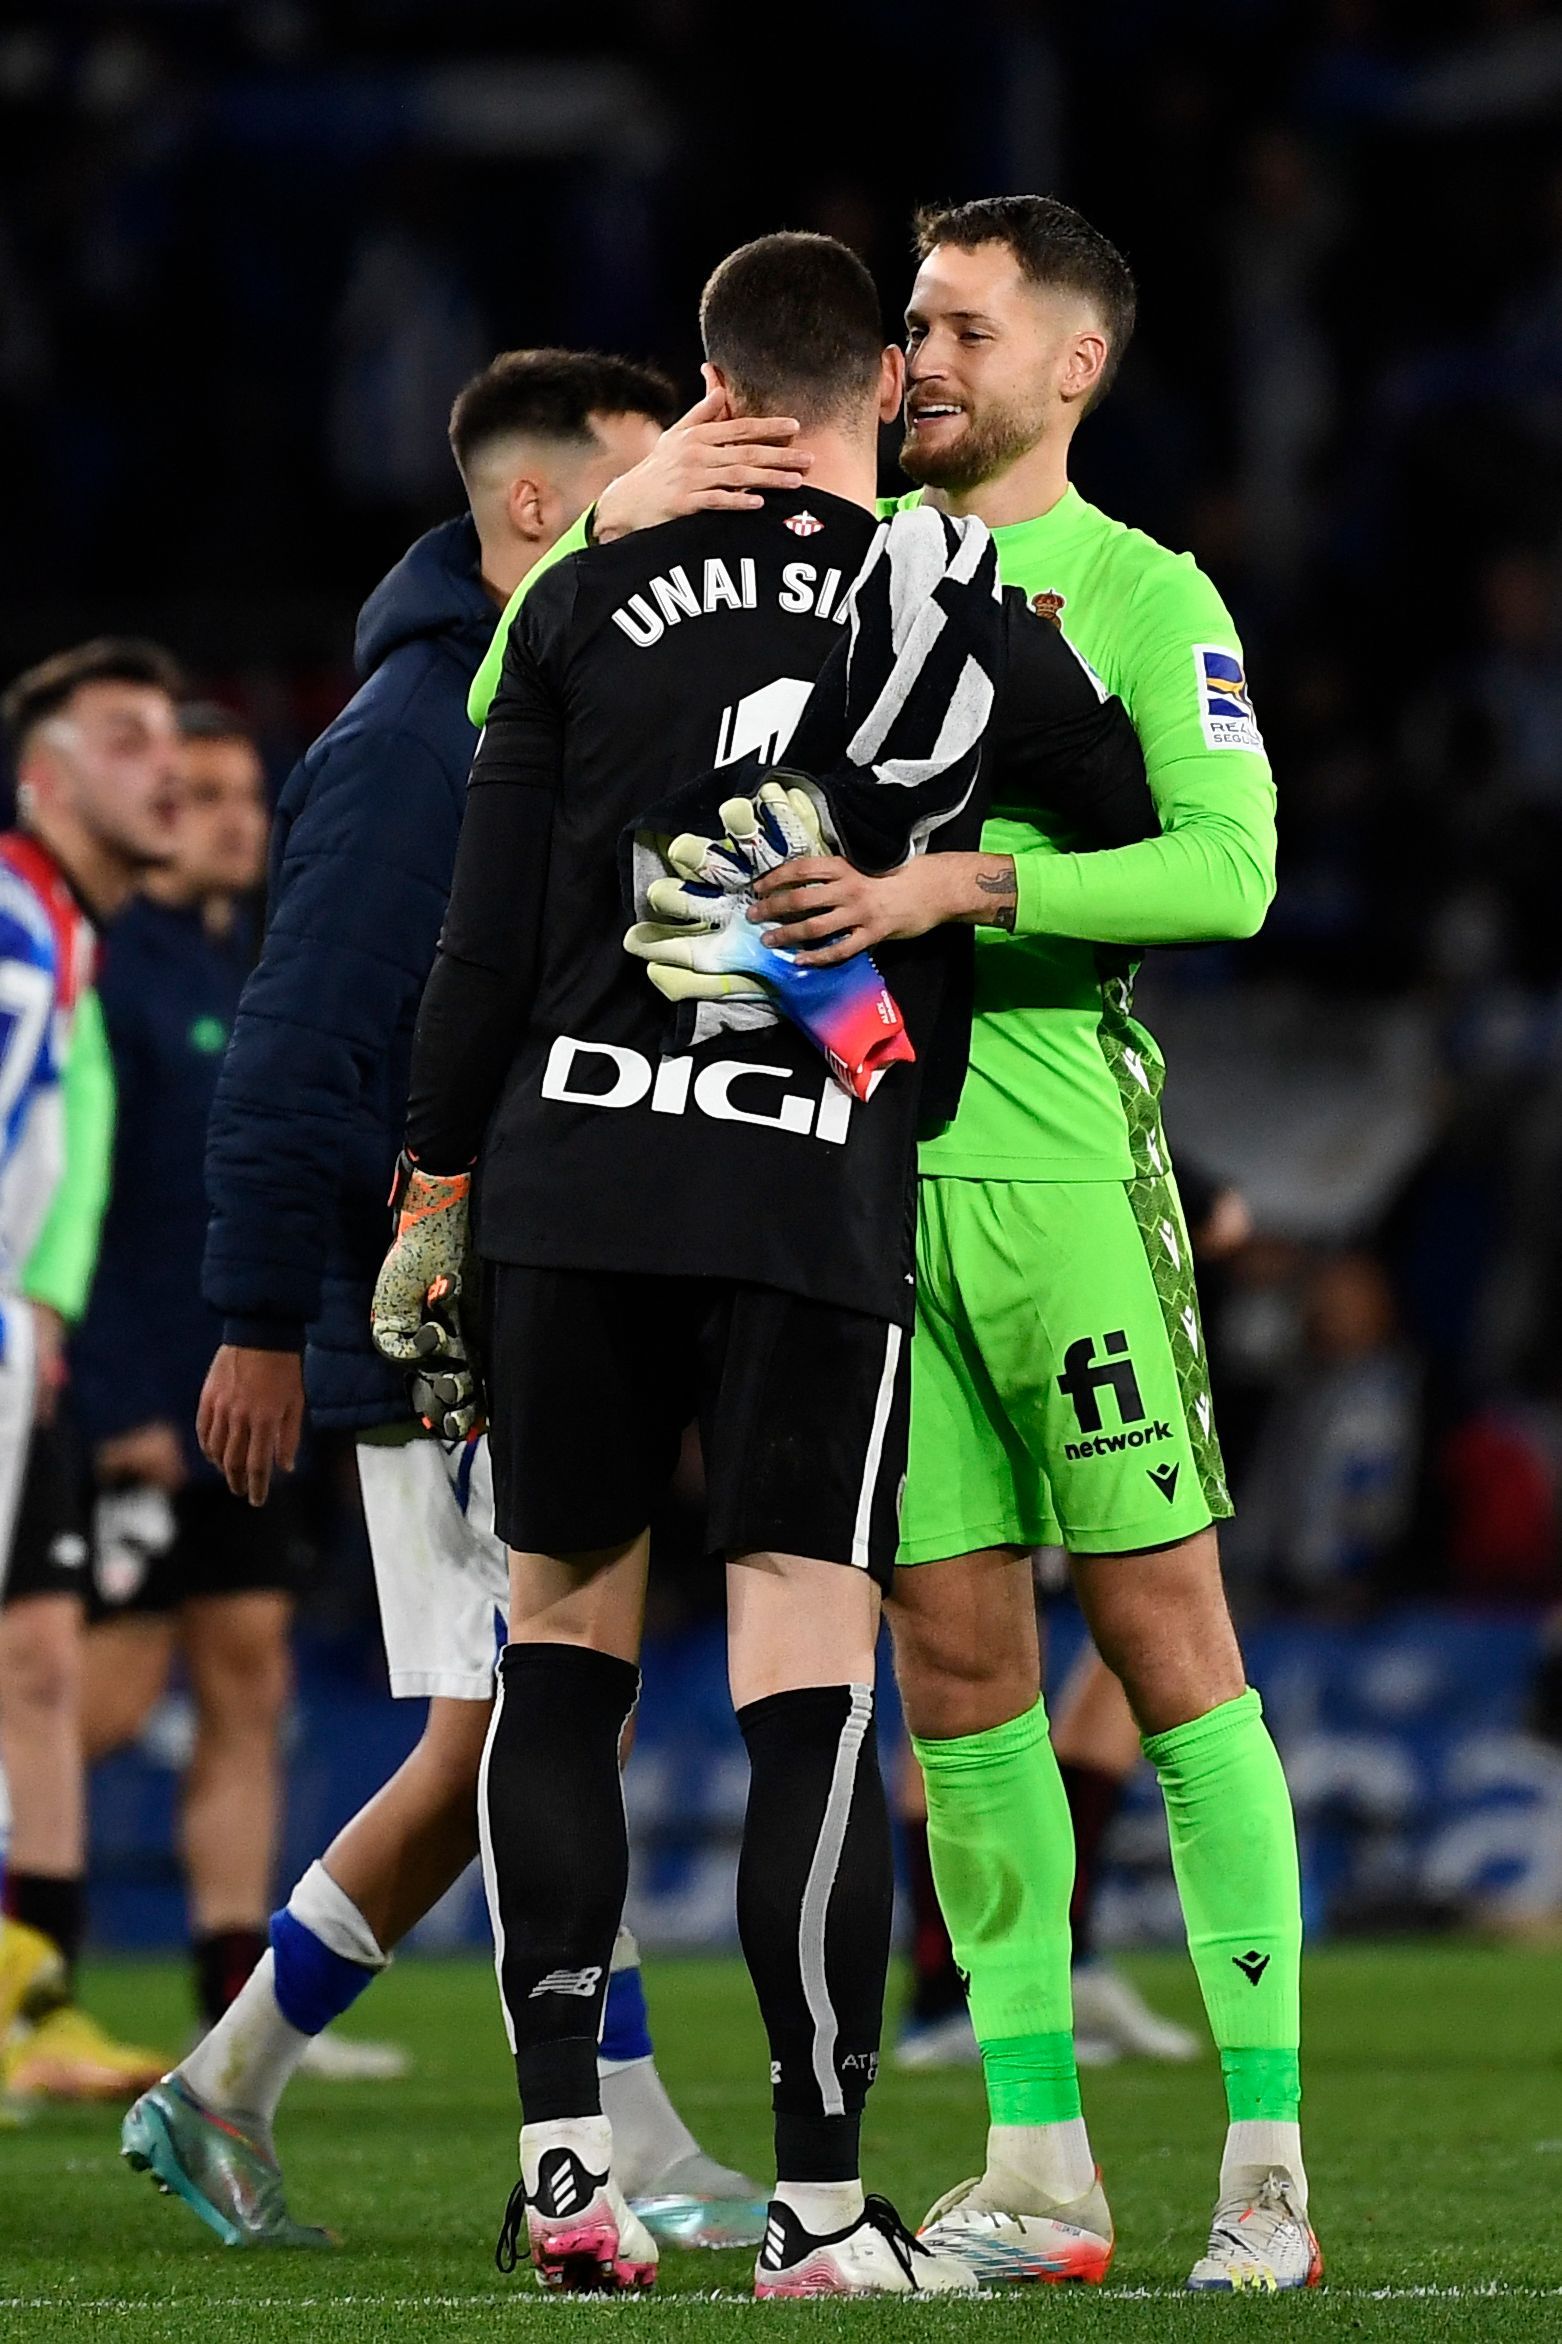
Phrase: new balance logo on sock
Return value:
(581, 1982)
(1252, 1965)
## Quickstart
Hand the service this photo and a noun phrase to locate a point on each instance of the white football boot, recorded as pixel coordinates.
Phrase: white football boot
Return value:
(353, 2059)
(1010, 2234)
(938, 2042)
(1260, 2240)
(1112, 2020)
(875, 2255)
(582, 2236)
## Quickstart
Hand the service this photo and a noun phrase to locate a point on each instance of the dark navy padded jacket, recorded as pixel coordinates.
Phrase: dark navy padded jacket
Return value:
(312, 1099)
(169, 993)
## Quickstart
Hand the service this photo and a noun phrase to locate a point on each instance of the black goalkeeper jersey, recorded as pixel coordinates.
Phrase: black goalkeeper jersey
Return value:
(629, 670)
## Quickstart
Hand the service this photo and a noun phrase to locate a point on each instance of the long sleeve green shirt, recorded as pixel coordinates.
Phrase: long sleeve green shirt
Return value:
(1064, 1083)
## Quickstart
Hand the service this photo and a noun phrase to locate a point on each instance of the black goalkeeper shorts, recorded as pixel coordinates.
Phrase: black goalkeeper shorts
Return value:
(594, 1377)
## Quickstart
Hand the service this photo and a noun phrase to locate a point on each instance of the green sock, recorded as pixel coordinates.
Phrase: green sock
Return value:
(1002, 1848)
(1233, 1846)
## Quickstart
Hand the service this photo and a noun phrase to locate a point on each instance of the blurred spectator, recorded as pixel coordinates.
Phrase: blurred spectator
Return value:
(1282, 364)
(1515, 700)
(407, 337)
(1498, 1481)
(1329, 1495)
(180, 1562)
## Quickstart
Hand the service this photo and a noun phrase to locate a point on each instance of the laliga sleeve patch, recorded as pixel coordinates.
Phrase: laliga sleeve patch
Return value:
(1225, 710)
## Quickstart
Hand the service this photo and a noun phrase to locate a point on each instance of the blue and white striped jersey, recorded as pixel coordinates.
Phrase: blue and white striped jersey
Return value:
(47, 952)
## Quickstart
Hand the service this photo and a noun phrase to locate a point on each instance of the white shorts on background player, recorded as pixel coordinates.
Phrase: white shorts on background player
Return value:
(441, 1575)
(17, 1397)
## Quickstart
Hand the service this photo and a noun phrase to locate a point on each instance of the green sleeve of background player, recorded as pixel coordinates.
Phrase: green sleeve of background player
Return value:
(59, 1269)
(1211, 873)
(485, 683)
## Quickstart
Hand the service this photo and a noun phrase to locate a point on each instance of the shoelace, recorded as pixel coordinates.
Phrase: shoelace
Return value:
(1272, 2202)
(513, 2229)
(881, 2216)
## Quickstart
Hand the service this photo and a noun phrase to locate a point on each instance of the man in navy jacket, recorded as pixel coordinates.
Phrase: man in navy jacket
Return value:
(180, 1562)
(303, 1141)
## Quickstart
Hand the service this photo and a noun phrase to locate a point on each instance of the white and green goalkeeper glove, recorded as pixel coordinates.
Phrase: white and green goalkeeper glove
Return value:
(702, 946)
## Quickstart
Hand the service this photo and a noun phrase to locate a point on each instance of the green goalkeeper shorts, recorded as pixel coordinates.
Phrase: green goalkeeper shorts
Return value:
(1059, 1390)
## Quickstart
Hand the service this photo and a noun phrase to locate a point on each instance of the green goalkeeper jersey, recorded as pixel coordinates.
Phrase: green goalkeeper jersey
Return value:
(1064, 1083)
(1063, 1080)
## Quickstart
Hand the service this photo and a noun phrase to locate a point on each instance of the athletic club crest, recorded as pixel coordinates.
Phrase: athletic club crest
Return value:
(1049, 606)
(803, 524)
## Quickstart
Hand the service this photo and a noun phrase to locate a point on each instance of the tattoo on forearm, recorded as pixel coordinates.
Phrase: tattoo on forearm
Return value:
(1000, 883)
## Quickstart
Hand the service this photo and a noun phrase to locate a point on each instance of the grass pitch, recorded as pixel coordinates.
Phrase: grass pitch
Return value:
(1435, 2148)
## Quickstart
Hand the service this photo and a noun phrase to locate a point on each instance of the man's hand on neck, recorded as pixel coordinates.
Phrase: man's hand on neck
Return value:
(709, 461)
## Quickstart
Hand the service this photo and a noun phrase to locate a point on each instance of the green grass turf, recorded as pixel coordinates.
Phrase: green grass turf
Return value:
(1435, 2137)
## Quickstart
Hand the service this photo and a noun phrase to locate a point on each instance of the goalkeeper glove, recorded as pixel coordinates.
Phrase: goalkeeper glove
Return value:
(700, 924)
(702, 946)
(416, 1315)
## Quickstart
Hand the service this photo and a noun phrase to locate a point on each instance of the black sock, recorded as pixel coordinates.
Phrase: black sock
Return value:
(222, 1959)
(815, 1893)
(57, 1909)
(556, 1857)
(937, 1987)
(1093, 1800)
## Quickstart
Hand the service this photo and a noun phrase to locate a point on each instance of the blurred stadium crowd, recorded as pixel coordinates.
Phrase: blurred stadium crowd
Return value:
(249, 253)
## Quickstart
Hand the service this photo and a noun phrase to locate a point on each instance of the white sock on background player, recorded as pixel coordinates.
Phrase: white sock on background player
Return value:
(321, 1957)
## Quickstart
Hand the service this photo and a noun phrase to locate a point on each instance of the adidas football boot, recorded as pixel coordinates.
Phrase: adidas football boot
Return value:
(875, 2255)
(581, 2235)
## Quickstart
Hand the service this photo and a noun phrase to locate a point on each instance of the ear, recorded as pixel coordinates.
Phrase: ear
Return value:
(1084, 361)
(892, 383)
(717, 387)
(38, 774)
(525, 502)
